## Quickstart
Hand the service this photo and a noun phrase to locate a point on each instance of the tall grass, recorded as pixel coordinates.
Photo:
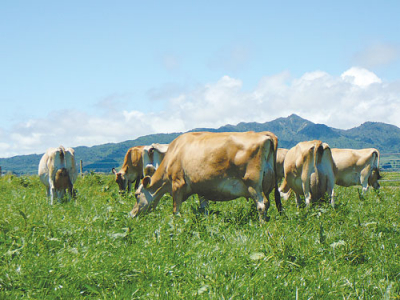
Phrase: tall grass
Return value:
(90, 248)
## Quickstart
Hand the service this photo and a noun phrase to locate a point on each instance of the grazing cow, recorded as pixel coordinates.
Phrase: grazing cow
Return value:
(357, 167)
(57, 171)
(280, 159)
(132, 169)
(217, 166)
(309, 171)
(152, 157)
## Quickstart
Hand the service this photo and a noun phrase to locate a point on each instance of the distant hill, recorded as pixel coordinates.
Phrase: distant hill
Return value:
(290, 131)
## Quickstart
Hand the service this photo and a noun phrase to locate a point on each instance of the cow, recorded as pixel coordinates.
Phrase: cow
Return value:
(152, 157)
(58, 172)
(138, 161)
(310, 171)
(357, 167)
(132, 169)
(280, 159)
(217, 166)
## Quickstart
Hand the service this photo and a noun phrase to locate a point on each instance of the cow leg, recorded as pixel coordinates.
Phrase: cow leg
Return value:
(179, 188)
(365, 174)
(60, 195)
(48, 194)
(284, 190)
(364, 184)
(307, 192)
(204, 204)
(331, 192)
(278, 200)
(52, 191)
(70, 192)
(177, 199)
(267, 203)
(130, 186)
(137, 182)
(261, 201)
(298, 200)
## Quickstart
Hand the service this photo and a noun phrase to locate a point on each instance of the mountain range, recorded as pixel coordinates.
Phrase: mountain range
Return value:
(290, 131)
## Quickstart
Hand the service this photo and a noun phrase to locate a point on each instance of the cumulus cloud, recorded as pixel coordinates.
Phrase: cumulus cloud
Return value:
(360, 77)
(345, 101)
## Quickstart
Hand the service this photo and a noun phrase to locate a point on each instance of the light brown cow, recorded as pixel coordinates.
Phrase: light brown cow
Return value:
(280, 159)
(357, 167)
(309, 171)
(57, 171)
(216, 166)
(132, 169)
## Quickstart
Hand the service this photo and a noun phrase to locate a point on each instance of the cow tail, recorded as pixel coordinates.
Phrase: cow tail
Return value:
(376, 166)
(62, 154)
(315, 178)
(274, 149)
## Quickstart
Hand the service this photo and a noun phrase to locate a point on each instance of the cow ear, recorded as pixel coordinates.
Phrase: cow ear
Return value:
(114, 171)
(146, 181)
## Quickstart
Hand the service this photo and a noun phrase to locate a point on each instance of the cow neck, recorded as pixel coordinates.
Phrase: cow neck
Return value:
(158, 183)
(124, 168)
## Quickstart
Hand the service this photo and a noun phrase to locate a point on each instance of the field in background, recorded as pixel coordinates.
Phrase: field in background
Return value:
(390, 162)
(90, 248)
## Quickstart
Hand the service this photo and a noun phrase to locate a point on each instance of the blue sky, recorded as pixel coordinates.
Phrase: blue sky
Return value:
(92, 72)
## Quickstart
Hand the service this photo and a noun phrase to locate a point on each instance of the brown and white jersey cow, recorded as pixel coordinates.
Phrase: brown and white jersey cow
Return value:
(132, 169)
(309, 171)
(280, 159)
(217, 166)
(152, 157)
(58, 172)
(357, 167)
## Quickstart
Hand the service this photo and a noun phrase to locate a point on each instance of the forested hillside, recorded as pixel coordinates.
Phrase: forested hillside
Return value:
(290, 131)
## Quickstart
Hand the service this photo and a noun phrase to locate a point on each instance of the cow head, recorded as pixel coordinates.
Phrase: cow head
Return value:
(144, 199)
(121, 180)
(149, 170)
(373, 179)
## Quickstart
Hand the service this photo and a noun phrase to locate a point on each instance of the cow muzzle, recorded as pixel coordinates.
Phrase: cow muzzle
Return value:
(139, 208)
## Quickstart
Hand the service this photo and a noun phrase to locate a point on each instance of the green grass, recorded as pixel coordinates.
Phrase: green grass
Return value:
(90, 248)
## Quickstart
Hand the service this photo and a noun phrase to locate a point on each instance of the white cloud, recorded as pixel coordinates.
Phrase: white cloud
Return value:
(345, 101)
(360, 77)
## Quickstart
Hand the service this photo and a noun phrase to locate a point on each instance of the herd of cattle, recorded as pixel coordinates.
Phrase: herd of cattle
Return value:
(224, 166)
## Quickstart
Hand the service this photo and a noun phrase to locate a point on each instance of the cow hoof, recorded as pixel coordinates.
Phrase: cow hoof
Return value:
(178, 214)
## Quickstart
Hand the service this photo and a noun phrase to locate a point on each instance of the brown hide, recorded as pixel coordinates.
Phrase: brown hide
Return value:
(216, 166)
(357, 167)
(309, 170)
(132, 169)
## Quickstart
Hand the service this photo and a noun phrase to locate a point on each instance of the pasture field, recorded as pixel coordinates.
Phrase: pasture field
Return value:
(91, 249)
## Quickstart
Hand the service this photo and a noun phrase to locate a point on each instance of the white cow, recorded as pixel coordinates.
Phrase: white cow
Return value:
(57, 171)
(152, 157)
